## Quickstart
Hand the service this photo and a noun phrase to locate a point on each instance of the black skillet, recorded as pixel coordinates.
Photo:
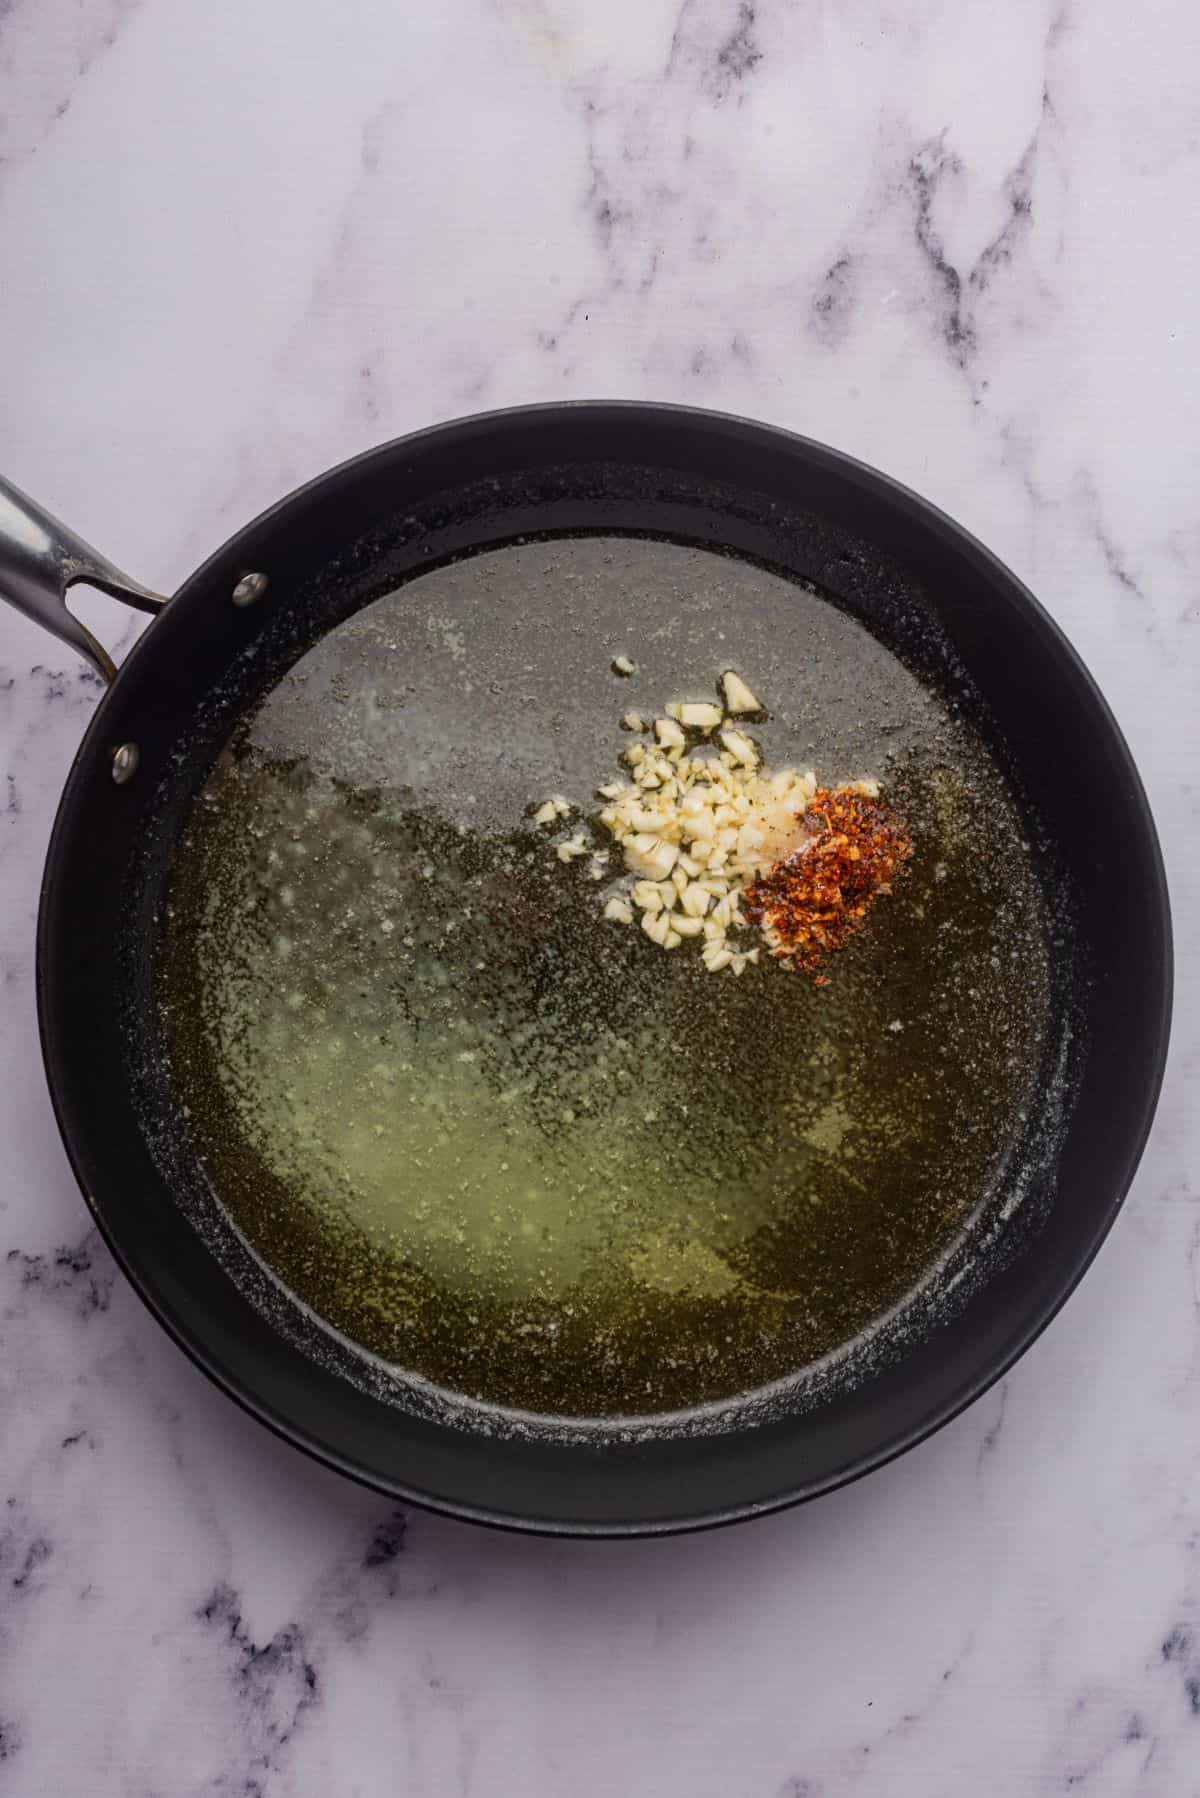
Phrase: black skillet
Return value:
(353, 534)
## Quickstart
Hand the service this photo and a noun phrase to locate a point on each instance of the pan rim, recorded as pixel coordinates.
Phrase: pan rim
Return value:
(203, 1354)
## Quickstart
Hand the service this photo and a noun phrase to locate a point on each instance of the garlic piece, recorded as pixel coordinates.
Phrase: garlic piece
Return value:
(623, 665)
(738, 697)
(740, 747)
(619, 911)
(545, 814)
(697, 715)
(656, 925)
(668, 734)
(633, 721)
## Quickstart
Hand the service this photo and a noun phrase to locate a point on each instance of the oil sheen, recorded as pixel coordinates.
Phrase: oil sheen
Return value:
(511, 1147)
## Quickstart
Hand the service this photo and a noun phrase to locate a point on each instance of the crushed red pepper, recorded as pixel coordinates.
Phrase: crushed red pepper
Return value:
(817, 897)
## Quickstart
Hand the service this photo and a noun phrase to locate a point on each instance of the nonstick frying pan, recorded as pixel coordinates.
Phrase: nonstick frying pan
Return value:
(237, 624)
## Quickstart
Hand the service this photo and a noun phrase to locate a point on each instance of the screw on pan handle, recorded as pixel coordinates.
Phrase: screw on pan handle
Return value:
(40, 558)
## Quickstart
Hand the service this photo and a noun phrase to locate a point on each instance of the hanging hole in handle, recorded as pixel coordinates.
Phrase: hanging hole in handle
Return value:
(105, 619)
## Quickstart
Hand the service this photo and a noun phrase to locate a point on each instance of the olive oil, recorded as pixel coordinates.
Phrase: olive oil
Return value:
(503, 1143)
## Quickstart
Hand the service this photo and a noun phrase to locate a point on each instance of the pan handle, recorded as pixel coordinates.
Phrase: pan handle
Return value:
(40, 558)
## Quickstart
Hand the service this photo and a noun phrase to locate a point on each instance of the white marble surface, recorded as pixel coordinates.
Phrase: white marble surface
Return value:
(956, 237)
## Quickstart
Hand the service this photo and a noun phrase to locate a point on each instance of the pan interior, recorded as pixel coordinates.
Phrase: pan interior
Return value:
(513, 1152)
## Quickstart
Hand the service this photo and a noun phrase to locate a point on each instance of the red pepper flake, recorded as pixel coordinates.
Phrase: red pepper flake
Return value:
(819, 895)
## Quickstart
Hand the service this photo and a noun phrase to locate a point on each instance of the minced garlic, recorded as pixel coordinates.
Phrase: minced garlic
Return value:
(697, 828)
(699, 820)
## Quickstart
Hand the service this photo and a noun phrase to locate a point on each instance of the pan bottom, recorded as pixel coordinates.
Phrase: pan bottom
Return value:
(510, 1149)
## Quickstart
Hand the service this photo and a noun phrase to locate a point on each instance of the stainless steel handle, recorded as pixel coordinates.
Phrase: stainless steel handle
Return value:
(40, 558)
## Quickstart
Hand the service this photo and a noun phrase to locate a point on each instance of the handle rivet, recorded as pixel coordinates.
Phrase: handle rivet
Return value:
(249, 588)
(125, 763)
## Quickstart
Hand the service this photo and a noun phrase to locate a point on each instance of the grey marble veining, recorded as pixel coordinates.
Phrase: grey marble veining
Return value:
(244, 242)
